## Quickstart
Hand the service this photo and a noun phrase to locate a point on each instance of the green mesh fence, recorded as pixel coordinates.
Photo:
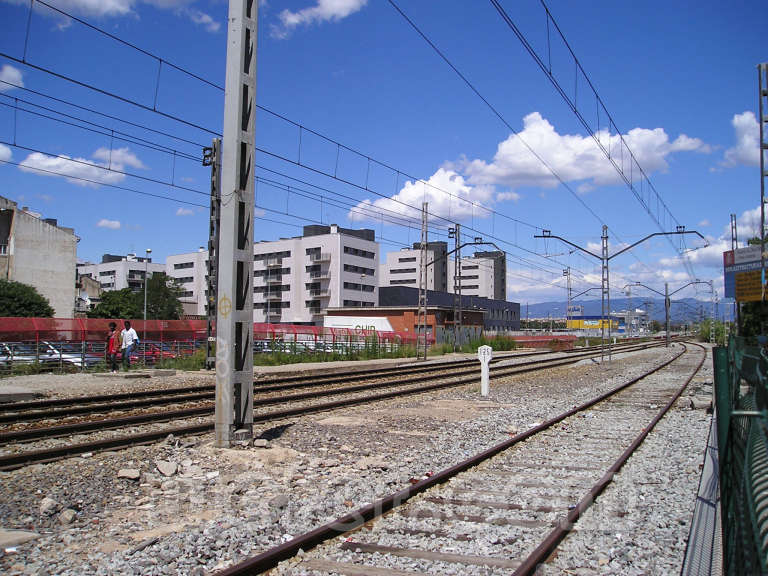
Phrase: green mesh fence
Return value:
(741, 390)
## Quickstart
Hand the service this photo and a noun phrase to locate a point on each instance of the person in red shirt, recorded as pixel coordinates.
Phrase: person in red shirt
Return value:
(113, 346)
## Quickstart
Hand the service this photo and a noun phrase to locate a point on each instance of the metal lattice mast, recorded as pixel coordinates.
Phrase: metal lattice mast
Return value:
(734, 246)
(714, 298)
(567, 274)
(762, 80)
(456, 234)
(212, 158)
(234, 319)
(605, 296)
(423, 282)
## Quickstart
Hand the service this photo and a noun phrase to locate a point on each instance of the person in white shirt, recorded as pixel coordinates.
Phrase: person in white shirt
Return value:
(130, 340)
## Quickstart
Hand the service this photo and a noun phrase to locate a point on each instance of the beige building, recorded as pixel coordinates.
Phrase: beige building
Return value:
(39, 252)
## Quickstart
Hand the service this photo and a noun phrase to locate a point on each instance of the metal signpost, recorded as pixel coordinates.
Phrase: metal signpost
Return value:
(234, 318)
(484, 354)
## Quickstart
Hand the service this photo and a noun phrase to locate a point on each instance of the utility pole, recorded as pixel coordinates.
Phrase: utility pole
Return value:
(234, 318)
(762, 80)
(567, 274)
(630, 310)
(666, 312)
(422, 330)
(606, 297)
(212, 158)
(734, 246)
(455, 233)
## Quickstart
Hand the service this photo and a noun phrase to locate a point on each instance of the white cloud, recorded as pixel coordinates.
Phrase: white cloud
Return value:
(747, 149)
(322, 11)
(203, 19)
(12, 75)
(119, 8)
(184, 212)
(110, 224)
(704, 222)
(574, 158)
(447, 193)
(82, 171)
(5, 153)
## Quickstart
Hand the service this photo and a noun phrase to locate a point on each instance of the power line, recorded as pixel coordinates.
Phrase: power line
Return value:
(105, 131)
(96, 182)
(594, 132)
(504, 121)
(111, 117)
(100, 167)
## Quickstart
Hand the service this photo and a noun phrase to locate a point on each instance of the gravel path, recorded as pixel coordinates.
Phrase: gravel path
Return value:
(219, 506)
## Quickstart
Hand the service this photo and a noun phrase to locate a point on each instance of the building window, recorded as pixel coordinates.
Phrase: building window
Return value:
(187, 294)
(472, 287)
(358, 252)
(359, 269)
(107, 273)
(470, 267)
(358, 287)
(183, 265)
(407, 281)
(185, 280)
(475, 277)
(270, 255)
(404, 260)
(403, 271)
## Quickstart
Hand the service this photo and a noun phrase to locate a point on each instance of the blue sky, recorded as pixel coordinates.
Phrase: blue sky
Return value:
(680, 85)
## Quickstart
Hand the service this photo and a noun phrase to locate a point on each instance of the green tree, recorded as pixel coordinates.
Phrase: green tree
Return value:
(117, 304)
(162, 301)
(17, 299)
(163, 293)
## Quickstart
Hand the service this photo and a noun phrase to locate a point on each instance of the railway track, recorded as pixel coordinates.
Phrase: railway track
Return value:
(347, 396)
(60, 408)
(504, 510)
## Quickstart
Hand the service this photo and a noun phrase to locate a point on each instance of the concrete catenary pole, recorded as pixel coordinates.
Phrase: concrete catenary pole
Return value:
(234, 318)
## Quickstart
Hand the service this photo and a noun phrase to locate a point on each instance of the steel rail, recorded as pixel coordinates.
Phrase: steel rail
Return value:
(14, 461)
(30, 416)
(530, 565)
(279, 383)
(272, 557)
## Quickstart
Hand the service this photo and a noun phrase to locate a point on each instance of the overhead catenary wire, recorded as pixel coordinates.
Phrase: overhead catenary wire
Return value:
(100, 183)
(498, 114)
(301, 127)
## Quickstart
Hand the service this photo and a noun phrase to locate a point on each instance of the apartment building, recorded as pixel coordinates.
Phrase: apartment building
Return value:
(296, 279)
(38, 252)
(191, 272)
(116, 272)
(484, 274)
(402, 268)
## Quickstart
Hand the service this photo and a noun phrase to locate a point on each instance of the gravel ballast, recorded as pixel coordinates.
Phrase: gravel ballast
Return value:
(220, 506)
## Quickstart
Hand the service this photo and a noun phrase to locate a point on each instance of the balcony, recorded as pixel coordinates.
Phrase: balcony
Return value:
(274, 296)
(320, 257)
(274, 262)
(316, 311)
(320, 293)
(274, 313)
(273, 279)
(322, 275)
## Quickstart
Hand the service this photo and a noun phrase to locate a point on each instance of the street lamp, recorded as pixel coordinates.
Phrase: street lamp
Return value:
(146, 278)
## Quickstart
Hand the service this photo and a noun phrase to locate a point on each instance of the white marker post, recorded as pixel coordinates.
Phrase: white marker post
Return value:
(484, 354)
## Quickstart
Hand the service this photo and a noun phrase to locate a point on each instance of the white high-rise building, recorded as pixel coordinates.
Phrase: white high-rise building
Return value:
(296, 279)
(117, 272)
(402, 268)
(484, 274)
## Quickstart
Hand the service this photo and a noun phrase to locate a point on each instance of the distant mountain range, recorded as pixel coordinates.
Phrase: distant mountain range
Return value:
(682, 311)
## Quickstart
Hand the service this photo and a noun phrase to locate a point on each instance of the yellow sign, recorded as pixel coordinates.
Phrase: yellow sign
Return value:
(748, 286)
(225, 306)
